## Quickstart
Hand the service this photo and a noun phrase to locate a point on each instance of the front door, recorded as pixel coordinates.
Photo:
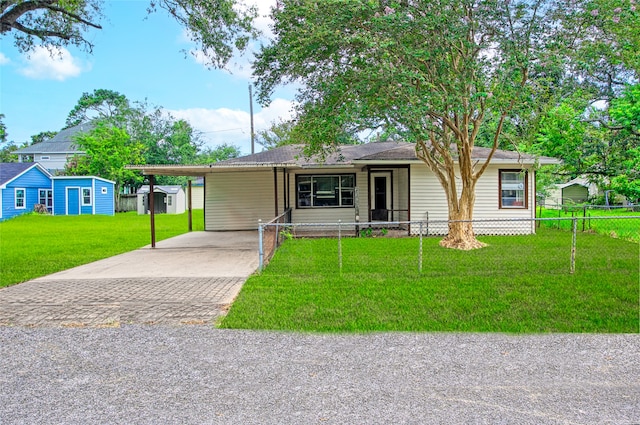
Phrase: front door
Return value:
(381, 196)
(73, 201)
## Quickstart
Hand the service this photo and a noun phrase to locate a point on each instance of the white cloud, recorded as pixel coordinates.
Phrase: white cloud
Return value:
(56, 64)
(239, 65)
(3, 59)
(264, 21)
(233, 126)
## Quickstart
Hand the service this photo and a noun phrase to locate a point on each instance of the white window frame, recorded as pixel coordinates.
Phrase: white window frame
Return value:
(513, 194)
(23, 197)
(48, 197)
(310, 197)
(82, 196)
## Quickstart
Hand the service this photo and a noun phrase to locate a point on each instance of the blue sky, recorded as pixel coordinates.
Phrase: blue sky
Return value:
(141, 56)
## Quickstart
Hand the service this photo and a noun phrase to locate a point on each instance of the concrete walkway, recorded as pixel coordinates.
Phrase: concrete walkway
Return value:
(189, 279)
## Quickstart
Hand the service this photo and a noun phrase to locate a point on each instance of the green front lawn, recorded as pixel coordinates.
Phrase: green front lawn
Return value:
(516, 284)
(36, 245)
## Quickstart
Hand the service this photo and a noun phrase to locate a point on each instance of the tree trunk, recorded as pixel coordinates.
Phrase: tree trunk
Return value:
(461, 235)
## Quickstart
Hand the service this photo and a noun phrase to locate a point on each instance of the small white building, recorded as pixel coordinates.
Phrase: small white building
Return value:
(576, 191)
(167, 199)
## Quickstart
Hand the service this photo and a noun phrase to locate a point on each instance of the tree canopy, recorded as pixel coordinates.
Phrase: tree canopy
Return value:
(439, 73)
(107, 149)
(52, 23)
(216, 26)
(101, 105)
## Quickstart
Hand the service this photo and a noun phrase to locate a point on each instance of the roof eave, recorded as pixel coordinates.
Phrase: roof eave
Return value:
(35, 164)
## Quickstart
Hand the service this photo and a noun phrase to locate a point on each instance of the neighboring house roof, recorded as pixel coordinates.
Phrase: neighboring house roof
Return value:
(63, 142)
(10, 171)
(579, 181)
(166, 189)
(347, 155)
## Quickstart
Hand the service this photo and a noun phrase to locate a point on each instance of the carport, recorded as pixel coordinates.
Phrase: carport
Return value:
(200, 171)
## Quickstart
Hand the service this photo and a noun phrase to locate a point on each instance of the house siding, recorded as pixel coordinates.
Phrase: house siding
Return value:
(61, 196)
(428, 202)
(197, 194)
(56, 161)
(237, 200)
(63, 188)
(329, 214)
(103, 202)
(180, 202)
(31, 181)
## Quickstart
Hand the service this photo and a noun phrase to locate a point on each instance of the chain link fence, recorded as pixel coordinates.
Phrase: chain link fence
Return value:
(273, 233)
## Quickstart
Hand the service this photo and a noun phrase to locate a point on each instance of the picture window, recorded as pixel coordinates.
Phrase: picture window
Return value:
(325, 190)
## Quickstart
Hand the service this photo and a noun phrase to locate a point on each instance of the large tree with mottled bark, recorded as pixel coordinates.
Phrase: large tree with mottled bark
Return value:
(435, 72)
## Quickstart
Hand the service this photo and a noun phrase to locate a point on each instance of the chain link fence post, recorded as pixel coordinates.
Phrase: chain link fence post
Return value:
(420, 251)
(260, 246)
(573, 245)
(340, 245)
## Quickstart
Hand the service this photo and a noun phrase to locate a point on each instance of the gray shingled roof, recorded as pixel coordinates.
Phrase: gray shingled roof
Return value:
(166, 189)
(10, 170)
(348, 155)
(378, 151)
(407, 152)
(292, 154)
(60, 143)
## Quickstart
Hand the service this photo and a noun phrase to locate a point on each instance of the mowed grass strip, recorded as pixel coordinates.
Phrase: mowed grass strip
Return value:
(35, 245)
(593, 221)
(518, 284)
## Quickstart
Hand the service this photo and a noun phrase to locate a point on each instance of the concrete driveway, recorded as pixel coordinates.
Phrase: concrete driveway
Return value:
(188, 279)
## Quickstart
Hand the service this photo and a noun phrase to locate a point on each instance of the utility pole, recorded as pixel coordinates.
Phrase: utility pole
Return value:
(253, 149)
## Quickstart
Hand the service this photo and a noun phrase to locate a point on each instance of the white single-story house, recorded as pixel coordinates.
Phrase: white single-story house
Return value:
(53, 154)
(576, 191)
(167, 199)
(382, 181)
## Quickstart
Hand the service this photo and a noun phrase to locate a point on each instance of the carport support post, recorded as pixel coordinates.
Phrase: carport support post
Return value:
(152, 212)
(189, 206)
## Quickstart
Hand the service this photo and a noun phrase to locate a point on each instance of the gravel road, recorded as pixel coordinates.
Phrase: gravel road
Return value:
(200, 375)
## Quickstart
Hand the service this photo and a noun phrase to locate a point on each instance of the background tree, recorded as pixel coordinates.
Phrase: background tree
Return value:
(436, 72)
(42, 136)
(209, 155)
(278, 134)
(101, 105)
(216, 26)
(6, 148)
(107, 150)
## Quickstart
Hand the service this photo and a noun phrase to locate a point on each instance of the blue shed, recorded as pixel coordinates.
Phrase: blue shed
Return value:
(22, 186)
(79, 195)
